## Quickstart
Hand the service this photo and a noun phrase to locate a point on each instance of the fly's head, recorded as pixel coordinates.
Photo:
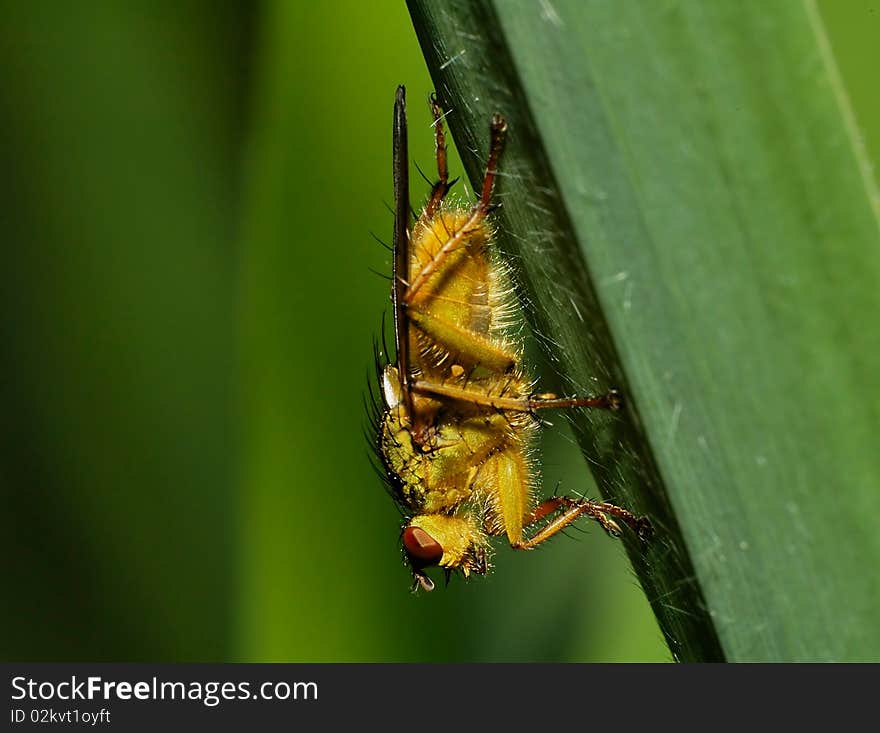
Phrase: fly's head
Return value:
(445, 541)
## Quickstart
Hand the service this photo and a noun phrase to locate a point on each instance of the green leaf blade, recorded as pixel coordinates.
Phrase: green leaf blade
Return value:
(693, 222)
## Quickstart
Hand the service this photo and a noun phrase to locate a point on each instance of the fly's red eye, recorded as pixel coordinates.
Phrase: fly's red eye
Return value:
(422, 549)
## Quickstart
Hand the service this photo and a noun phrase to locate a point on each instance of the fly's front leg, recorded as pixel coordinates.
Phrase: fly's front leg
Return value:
(572, 509)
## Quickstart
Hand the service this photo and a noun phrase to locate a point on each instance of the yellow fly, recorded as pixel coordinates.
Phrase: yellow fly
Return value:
(457, 427)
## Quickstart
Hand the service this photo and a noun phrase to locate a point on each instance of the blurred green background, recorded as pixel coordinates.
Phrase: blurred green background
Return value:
(187, 311)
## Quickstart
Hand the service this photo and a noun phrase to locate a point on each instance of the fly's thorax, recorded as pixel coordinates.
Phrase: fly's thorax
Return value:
(433, 468)
(463, 542)
(435, 471)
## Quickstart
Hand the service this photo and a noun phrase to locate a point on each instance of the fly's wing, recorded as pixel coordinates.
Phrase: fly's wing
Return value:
(400, 242)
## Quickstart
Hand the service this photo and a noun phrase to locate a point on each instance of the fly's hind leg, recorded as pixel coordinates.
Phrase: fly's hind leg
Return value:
(460, 341)
(442, 186)
(507, 474)
(571, 509)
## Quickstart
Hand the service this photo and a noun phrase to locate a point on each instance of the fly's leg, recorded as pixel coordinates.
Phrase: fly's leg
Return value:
(507, 474)
(572, 509)
(442, 186)
(478, 213)
(610, 401)
(462, 342)
(497, 133)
